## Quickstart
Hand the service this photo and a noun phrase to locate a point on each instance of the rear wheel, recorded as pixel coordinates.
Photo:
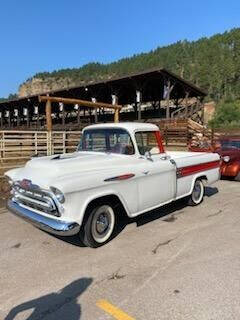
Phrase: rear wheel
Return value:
(99, 226)
(197, 194)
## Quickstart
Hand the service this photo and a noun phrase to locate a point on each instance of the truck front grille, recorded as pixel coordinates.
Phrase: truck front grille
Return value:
(35, 198)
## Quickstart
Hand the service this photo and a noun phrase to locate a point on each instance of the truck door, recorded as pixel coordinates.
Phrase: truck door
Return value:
(157, 174)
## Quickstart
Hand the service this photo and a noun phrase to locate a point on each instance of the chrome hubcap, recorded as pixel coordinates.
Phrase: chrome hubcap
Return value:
(102, 223)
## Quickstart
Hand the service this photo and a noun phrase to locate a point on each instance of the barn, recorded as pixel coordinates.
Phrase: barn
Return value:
(156, 93)
(51, 122)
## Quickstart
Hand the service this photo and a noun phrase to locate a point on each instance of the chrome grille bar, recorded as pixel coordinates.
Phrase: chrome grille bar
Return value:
(35, 198)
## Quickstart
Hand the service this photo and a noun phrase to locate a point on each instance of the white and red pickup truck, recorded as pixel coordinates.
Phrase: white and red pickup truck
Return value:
(117, 168)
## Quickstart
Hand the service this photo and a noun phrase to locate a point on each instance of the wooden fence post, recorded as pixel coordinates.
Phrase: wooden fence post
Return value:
(36, 143)
(49, 115)
(116, 115)
(64, 142)
(49, 143)
(1, 146)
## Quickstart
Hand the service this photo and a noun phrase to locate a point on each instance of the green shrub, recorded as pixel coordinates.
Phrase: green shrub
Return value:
(227, 115)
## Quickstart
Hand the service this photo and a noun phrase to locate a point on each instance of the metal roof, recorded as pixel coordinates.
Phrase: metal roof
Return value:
(127, 82)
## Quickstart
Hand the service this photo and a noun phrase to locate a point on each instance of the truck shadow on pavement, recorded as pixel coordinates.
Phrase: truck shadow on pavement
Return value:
(56, 305)
(170, 211)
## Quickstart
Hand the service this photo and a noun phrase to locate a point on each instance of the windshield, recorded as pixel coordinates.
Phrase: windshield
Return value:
(106, 140)
(230, 144)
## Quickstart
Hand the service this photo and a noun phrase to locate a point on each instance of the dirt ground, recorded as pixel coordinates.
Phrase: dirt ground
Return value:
(4, 191)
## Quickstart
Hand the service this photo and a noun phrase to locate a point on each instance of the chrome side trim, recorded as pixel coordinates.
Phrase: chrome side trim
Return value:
(51, 225)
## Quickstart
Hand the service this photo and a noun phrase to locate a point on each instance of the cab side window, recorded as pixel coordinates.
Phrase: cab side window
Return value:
(147, 142)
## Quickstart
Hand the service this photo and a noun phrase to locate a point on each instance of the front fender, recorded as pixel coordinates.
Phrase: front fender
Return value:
(77, 202)
(230, 170)
(104, 194)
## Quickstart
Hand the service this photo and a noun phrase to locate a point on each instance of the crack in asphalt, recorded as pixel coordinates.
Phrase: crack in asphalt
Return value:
(215, 214)
(116, 275)
(16, 246)
(154, 251)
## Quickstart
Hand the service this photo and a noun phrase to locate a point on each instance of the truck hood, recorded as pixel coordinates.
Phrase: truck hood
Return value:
(43, 171)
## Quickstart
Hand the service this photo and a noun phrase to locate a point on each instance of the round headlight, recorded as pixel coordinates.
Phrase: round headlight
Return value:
(58, 194)
(226, 158)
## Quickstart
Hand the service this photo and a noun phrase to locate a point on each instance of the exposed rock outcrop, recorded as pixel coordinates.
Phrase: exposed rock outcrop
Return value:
(38, 85)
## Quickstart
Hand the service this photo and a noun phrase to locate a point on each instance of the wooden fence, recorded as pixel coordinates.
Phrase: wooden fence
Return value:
(22, 145)
(16, 147)
(19, 146)
(175, 132)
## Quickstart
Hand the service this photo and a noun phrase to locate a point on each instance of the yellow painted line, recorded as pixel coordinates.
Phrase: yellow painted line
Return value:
(114, 311)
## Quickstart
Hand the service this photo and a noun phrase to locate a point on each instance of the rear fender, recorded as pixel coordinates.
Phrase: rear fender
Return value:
(199, 176)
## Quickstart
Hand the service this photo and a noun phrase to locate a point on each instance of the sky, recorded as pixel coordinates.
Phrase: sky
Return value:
(46, 35)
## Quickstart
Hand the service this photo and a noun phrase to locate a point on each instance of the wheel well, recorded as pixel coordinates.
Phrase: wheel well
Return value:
(204, 178)
(111, 199)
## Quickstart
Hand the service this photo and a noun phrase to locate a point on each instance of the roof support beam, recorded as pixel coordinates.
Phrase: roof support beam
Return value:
(84, 103)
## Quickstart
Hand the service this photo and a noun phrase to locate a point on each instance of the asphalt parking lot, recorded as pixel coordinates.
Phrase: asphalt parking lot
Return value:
(175, 263)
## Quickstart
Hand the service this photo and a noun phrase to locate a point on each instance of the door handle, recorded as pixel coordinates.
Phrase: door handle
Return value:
(145, 172)
(165, 158)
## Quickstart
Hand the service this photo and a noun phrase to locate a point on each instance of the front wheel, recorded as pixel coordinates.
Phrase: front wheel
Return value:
(197, 194)
(99, 226)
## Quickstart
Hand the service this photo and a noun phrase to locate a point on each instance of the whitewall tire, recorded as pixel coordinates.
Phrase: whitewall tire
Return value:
(197, 194)
(99, 226)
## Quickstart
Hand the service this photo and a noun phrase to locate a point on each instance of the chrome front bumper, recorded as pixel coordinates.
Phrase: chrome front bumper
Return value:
(48, 224)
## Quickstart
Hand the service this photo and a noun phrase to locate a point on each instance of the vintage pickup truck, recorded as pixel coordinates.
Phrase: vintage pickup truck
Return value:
(119, 167)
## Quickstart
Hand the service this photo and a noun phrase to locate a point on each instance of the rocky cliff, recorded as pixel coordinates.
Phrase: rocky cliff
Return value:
(38, 85)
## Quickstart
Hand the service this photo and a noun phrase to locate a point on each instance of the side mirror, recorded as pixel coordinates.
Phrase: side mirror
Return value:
(148, 155)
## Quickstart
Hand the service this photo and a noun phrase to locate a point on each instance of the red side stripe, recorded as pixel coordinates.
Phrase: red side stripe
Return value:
(187, 171)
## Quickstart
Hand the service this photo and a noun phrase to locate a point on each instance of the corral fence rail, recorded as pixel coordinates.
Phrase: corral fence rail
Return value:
(16, 147)
(175, 132)
(19, 146)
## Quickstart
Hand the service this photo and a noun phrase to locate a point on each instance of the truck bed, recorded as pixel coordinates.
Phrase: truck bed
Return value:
(184, 158)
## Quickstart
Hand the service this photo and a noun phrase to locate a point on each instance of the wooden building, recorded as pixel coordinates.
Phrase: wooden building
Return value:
(155, 93)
